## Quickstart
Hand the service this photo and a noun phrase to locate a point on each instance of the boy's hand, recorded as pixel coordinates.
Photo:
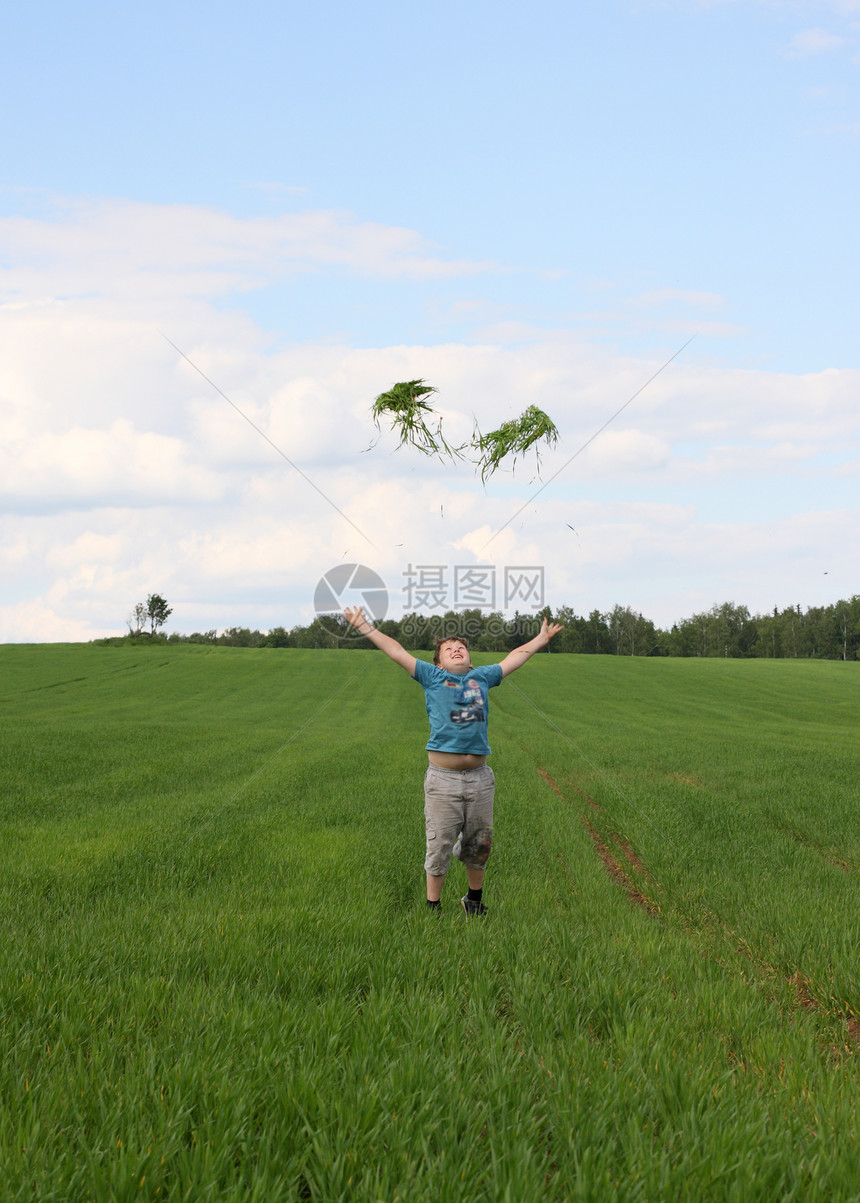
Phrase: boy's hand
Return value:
(393, 650)
(548, 629)
(519, 655)
(356, 618)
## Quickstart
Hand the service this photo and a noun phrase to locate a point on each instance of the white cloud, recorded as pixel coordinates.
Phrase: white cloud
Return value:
(842, 7)
(124, 472)
(845, 8)
(663, 297)
(629, 451)
(140, 253)
(808, 42)
(97, 467)
(44, 620)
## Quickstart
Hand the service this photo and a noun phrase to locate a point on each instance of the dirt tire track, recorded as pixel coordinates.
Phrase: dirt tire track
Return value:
(610, 862)
(551, 781)
(617, 873)
(594, 805)
(807, 841)
(630, 855)
(806, 1000)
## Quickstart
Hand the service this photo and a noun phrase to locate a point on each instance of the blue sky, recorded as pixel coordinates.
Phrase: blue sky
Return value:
(522, 205)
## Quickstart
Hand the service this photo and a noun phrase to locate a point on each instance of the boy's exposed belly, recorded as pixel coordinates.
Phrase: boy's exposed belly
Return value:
(456, 760)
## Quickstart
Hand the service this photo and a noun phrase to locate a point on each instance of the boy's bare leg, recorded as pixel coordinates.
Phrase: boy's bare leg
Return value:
(434, 887)
(434, 884)
(476, 878)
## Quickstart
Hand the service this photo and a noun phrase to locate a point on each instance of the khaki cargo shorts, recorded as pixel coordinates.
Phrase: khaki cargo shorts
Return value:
(458, 816)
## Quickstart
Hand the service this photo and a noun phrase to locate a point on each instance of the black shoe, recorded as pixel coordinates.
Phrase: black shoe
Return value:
(471, 907)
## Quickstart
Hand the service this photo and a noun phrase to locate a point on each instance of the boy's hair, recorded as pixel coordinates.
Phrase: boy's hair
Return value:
(448, 639)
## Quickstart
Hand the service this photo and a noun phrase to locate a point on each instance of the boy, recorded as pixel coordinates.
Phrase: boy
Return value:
(459, 784)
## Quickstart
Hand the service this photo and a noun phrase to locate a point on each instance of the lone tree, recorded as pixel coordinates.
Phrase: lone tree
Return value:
(137, 619)
(157, 611)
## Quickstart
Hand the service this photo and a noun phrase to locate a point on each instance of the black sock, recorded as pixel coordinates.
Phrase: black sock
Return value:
(474, 895)
(436, 905)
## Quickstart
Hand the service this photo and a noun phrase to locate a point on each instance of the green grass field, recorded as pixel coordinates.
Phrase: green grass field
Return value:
(220, 982)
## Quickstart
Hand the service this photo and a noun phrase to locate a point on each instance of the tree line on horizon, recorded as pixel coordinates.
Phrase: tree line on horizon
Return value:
(820, 632)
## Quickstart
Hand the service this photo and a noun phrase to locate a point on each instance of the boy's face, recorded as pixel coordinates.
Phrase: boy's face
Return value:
(454, 656)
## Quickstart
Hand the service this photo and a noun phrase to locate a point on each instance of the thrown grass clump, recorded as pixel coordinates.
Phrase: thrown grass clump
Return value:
(409, 413)
(515, 438)
(405, 405)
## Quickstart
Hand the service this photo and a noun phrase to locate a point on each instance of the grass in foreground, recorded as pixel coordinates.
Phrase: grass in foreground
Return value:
(219, 980)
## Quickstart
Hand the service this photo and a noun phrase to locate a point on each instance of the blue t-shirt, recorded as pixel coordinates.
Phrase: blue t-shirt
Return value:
(457, 706)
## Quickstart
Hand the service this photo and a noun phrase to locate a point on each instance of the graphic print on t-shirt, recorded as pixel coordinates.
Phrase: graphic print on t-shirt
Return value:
(468, 704)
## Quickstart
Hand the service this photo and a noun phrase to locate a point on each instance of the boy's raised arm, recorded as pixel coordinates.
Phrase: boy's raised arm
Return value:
(356, 618)
(517, 658)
